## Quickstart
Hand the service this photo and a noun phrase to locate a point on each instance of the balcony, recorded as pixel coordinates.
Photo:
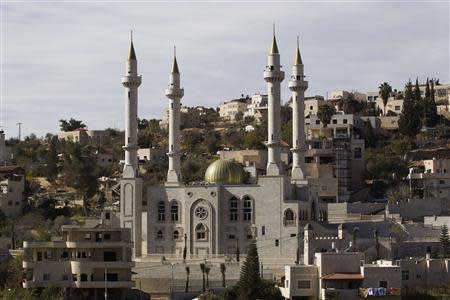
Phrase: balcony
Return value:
(77, 244)
(77, 284)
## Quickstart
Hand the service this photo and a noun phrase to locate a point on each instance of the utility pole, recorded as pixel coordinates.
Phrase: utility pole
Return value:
(20, 129)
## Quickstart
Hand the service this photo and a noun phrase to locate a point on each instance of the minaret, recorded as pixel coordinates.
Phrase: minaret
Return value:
(174, 93)
(298, 85)
(274, 76)
(131, 183)
(131, 81)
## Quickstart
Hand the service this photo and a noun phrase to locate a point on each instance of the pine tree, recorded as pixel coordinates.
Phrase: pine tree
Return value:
(445, 241)
(429, 108)
(250, 280)
(409, 121)
(369, 135)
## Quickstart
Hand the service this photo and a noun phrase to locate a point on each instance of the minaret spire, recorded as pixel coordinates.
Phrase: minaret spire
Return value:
(174, 93)
(132, 53)
(298, 85)
(274, 76)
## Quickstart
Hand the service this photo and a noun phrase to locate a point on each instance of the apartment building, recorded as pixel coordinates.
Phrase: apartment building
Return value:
(83, 136)
(91, 260)
(431, 178)
(341, 275)
(12, 187)
(230, 109)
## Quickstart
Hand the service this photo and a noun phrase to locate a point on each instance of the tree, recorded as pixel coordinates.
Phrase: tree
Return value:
(409, 121)
(202, 268)
(51, 159)
(445, 241)
(80, 172)
(385, 91)
(369, 135)
(429, 108)
(250, 280)
(207, 270)
(399, 193)
(223, 269)
(377, 242)
(71, 125)
(325, 113)
(188, 272)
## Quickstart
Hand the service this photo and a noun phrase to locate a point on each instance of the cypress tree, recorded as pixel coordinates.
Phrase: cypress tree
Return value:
(429, 108)
(369, 135)
(445, 241)
(409, 121)
(250, 280)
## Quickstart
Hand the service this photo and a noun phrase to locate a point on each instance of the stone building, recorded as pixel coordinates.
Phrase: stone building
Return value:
(83, 136)
(91, 260)
(12, 185)
(228, 110)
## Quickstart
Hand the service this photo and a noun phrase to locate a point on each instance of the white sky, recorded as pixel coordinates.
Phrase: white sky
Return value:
(63, 60)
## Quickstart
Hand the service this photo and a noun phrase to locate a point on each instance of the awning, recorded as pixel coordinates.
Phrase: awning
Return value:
(342, 276)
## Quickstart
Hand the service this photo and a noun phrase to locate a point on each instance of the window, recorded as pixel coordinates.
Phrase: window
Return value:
(304, 284)
(108, 216)
(107, 236)
(231, 236)
(233, 209)
(344, 121)
(161, 211)
(201, 212)
(308, 159)
(263, 230)
(357, 152)
(277, 243)
(397, 107)
(176, 235)
(247, 208)
(174, 212)
(39, 256)
(46, 277)
(289, 219)
(65, 277)
(83, 277)
(334, 121)
(441, 181)
(405, 275)
(383, 284)
(200, 232)
(74, 277)
(317, 122)
(159, 235)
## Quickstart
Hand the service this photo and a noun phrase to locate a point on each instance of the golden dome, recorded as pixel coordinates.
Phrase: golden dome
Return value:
(224, 172)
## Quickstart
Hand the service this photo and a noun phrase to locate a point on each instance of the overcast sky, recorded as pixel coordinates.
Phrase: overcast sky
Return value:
(63, 60)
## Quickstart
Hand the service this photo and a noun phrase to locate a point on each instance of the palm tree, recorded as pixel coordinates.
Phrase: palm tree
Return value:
(202, 268)
(188, 272)
(207, 270)
(385, 91)
(325, 113)
(223, 269)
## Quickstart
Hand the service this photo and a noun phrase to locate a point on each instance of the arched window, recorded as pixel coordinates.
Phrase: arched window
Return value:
(289, 217)
(176, 235)
(201, 232)
(233, 209)
(159, 235)
(174, 211)
(161, 211)
(248, 211)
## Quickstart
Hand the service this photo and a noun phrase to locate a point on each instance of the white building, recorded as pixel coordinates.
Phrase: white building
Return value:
(431, 178)
(81, 259)
(230, 109)
(83, 136)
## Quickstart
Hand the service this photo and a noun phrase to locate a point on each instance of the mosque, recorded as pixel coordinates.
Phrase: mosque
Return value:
(222, 215)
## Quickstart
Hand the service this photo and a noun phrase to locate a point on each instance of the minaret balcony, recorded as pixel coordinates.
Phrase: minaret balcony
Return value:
(174, 93)
(131, 81)
(273, 76)
(298, 85)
